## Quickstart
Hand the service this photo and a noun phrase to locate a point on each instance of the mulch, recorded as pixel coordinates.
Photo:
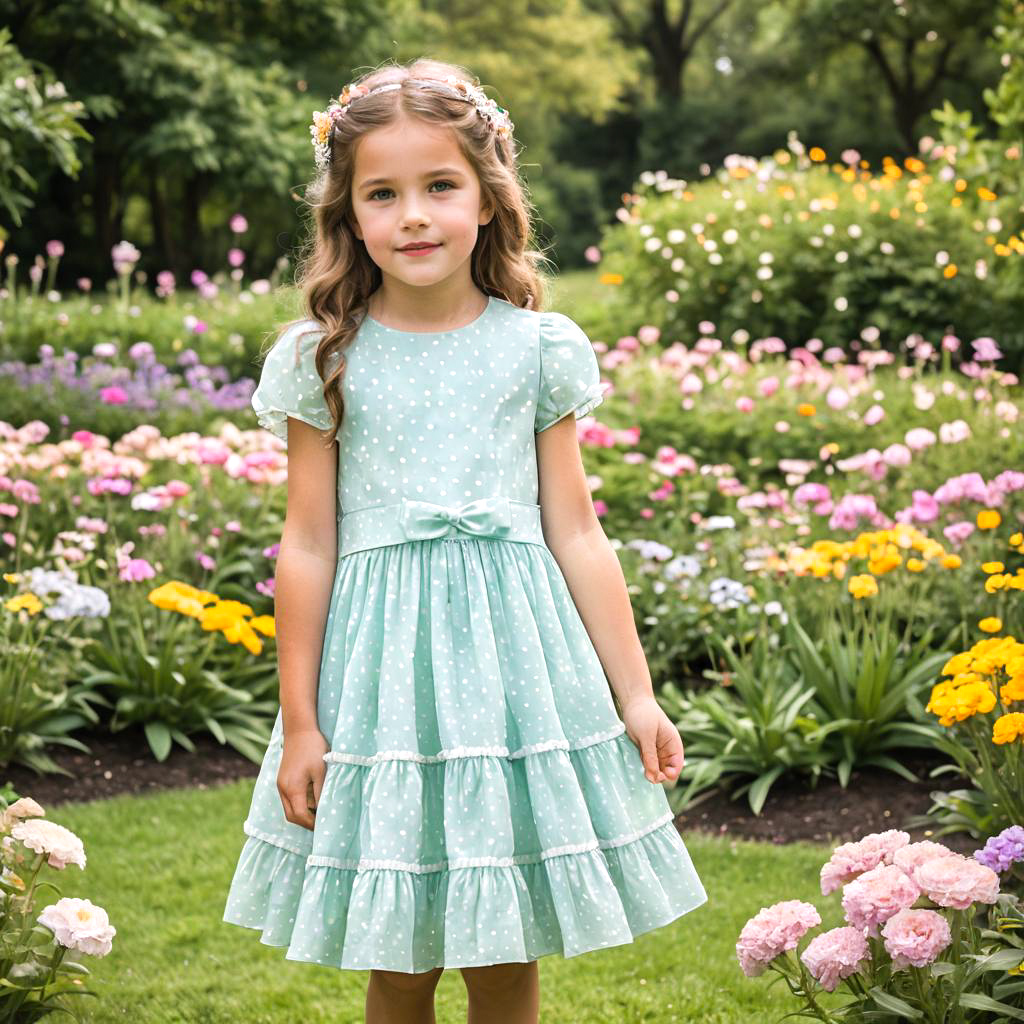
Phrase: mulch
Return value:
(873, 801)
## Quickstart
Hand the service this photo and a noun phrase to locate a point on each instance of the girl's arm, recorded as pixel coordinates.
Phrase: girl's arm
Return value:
(306, 565)
(594, 576)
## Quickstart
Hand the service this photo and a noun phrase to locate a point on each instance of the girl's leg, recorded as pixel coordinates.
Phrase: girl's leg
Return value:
(503, 993)
(393, 997)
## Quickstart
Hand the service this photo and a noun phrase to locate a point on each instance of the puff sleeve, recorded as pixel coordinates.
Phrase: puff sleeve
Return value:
(570, 379)
(289, 384)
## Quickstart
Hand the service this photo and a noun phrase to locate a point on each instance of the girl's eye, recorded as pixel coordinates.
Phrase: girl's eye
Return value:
(378, 191)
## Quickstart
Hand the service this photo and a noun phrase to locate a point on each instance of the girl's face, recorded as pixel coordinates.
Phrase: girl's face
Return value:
(412, 184)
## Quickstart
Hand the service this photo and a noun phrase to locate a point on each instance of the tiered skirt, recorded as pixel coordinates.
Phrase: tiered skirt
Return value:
(482, 802)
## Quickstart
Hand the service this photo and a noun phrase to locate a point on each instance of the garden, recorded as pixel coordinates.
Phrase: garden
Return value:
(809, 461)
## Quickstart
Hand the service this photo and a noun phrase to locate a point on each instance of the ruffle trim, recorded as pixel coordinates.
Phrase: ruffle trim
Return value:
(345, 757)
(589, 400)
(388, 918)
(275, 420)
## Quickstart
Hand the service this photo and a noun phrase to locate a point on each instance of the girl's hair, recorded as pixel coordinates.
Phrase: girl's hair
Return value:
(335, 274)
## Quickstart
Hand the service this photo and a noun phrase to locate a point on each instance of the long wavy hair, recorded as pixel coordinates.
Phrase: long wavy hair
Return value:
(335, 274)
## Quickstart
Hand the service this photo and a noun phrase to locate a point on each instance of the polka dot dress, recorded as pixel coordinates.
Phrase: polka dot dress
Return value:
(482, 803)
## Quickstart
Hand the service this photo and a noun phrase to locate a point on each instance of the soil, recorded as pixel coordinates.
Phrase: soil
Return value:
(873, 801)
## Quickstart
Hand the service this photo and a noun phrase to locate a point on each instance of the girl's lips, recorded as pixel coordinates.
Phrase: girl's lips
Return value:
(419, 251)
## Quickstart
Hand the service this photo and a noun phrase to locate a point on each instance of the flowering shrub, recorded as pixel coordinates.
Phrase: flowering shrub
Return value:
(918, 941)
(38, 966)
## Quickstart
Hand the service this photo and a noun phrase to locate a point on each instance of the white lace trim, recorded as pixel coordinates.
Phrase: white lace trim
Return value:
(266, 837)
(344, 757)
(378, 864)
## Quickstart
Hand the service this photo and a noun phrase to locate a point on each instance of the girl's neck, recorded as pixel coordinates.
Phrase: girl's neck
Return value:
(415, 310)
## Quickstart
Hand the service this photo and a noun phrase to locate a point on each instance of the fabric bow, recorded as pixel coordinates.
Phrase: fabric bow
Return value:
(422, 520)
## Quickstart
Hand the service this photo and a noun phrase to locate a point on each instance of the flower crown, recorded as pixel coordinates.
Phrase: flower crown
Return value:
(324, 121)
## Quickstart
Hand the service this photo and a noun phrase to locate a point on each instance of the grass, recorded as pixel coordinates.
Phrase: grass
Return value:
(160, 865)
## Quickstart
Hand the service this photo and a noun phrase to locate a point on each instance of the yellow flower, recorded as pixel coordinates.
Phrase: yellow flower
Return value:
(611, 279)
(1013, 690)
(805, 409)
(817, 154)
(986, 193)
(996, 583)
(1008, 728)
(988, 519)
(949, 270)
(28, 602)
(13, 577)
(264, 624)
(992, 567)
(1015, 541)
(960, 185)
(915, 565)
(951, 562)
(863, 585)
(990, 625)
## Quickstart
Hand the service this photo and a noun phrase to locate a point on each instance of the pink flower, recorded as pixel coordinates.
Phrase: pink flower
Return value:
(135, 570)
(54, 249)
(198, 277)
(768, 386)
(874, 415)
(852, 859)
(236, 257)
(745, 403)
(919, 438)
(878, 894)
(986, 350)
(592, 254)
(957, 533)
(113, 395)
(910, 856)
(834, 955)
(898, 455)
(238, 224)
(915, 937)
(837, 398)
(952, 880)
(773, 931)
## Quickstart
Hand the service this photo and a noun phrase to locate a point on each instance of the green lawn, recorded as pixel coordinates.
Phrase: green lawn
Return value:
(160, 866)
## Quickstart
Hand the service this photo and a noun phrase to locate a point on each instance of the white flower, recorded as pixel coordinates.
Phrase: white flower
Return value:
(730, 236)
(79, 924)
(842, 256)
(942, 257)
(765, 257)
(764, 273)
(61, 845)
(26, 807)
(886, 247)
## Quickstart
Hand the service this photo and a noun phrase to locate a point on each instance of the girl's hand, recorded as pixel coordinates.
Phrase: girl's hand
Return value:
(656, 737)
(300, 776)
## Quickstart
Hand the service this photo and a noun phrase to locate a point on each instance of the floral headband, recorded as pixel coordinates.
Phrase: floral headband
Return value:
(324, 121)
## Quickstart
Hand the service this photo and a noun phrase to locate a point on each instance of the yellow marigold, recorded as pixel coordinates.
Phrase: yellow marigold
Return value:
(1015, 541)
(949, 270)
(1012, 690)
(611, 279)
(958, 663)
(24, 602)
(990, 625)
(996, 583)
(915, 565)
(264, 624)
(816, 153)
(1008, 728)
(988, 519)
(913, 165)
(805, 409)
(951, 562)
(986, 193)
(863, 585)
(13, 577)
(992, 567)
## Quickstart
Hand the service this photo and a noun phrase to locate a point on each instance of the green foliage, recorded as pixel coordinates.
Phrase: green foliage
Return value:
(768, 249)
(39, 125)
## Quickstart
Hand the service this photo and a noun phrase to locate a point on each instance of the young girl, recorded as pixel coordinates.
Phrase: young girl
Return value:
(448, 783)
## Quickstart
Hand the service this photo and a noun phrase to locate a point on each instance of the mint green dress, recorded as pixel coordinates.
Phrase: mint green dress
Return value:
(482, 802)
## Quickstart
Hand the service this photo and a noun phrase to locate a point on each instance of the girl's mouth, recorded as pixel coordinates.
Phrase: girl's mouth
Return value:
(420, 250)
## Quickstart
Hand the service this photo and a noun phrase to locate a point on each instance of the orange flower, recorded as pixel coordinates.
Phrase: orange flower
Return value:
(817, 154)
(988, 519)
(986, 193)
(805, 409)
(611, 279)
(949, 270)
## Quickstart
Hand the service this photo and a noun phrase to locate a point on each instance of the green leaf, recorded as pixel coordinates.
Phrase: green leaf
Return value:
(159, 737)
(977, 1001)
(894, 1004)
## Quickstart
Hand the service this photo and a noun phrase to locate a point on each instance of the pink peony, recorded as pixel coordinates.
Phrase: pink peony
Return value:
(834, 955)
(60, 845)
(774, 930)
(910, 856)
(952, 880)
(79, 924)
(915, 937)
(878, 894)
(853, 859)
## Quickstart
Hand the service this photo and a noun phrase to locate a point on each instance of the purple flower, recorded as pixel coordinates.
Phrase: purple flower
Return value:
(1001, 852)
(125, 256)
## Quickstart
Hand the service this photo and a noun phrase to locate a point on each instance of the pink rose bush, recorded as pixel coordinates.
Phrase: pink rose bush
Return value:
(911, 947)
(39, 946)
